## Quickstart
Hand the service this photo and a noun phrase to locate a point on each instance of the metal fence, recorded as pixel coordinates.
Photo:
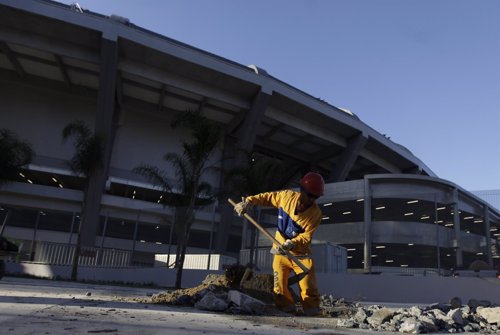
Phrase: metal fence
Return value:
(62, 254)
(198, 262)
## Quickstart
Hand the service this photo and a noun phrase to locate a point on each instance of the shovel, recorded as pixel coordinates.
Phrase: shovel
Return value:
(294, 279)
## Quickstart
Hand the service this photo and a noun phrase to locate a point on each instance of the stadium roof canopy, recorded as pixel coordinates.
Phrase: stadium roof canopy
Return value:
(45, 43)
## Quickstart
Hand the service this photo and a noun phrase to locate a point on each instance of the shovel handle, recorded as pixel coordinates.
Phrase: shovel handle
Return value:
(271, 237)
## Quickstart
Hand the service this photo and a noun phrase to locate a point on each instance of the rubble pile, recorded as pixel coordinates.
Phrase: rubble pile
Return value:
(223, 293)
(475, 316)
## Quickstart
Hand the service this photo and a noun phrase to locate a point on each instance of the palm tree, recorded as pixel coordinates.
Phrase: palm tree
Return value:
(15, 154)
(190, 167)
(259, 174)
(88, 158)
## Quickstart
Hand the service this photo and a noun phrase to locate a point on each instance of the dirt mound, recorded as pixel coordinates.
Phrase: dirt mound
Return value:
(259, 286)
(216, 283)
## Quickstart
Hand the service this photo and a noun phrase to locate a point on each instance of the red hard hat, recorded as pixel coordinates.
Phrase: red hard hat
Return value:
(313, 183)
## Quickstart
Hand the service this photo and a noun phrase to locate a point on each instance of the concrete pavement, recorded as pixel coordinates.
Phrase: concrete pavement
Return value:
(33, 306)
(37, 306)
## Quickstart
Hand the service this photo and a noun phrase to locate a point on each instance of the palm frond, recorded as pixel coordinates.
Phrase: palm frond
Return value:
(190, 165)
(89, 155)
(14, 154)
(181, 168)
(154, 175)
(79, 131)
(204, 189)
(259, 174)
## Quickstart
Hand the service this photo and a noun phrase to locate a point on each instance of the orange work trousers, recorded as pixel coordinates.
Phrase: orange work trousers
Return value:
(309, 295)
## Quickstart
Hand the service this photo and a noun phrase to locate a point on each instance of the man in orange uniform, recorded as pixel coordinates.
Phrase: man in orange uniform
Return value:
(298, 218)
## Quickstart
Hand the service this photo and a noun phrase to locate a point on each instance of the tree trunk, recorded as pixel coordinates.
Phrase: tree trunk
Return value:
(178, 277)
(180, 221)
(76, 254)
(76, 257)
(182, 247)
(253, 235)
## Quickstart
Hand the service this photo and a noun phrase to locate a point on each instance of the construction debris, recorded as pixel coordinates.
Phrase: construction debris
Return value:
(476, 316)
(221, 293)
(258, 287)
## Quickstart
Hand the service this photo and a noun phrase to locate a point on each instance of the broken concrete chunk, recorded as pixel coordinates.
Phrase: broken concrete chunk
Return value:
(411, 325)
(415, 311)
(456, 316)
(247, 303)
(428, 323)
(490, 314)
(380, 316)
(210, 302)
(360, 316)
(183, 300)
(346, 323)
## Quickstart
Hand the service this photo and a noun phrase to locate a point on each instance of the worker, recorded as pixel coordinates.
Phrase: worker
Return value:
(298, 218)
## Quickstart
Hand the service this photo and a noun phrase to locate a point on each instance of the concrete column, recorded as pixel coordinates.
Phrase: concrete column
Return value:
(438, 244)
(32, 245)
(105, 228)
(134, 238)
(71, 229)
(487, 233)
(246, 134)
(212, 227)
(458, 233)
(236, 147)
(368, 224)
(4, 223)
(106, 117)
(171, 235)
(347, 159)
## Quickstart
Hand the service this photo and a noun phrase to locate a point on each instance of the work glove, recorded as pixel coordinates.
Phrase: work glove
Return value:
(288, 245)
(277, 251)
(242, 207)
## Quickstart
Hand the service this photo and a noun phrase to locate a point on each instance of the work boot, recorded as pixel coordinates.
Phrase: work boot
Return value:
(312, 311)
(288, 309)
(299, 312)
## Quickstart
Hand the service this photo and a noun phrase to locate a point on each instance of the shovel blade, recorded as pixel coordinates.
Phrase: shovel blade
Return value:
(295, 279)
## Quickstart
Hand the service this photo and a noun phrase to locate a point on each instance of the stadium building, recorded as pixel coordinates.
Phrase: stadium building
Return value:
(490, 196)
(61, 63)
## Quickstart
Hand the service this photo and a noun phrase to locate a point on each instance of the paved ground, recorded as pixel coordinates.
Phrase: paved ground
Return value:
(30, 306)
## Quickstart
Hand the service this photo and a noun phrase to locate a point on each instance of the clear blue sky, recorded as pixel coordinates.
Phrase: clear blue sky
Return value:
(426, 73)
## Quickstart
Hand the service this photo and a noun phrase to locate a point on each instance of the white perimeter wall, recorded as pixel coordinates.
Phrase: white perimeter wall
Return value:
(352, 287)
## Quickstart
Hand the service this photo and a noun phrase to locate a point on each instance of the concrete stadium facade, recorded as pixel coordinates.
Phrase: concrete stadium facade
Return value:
(59, 64)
